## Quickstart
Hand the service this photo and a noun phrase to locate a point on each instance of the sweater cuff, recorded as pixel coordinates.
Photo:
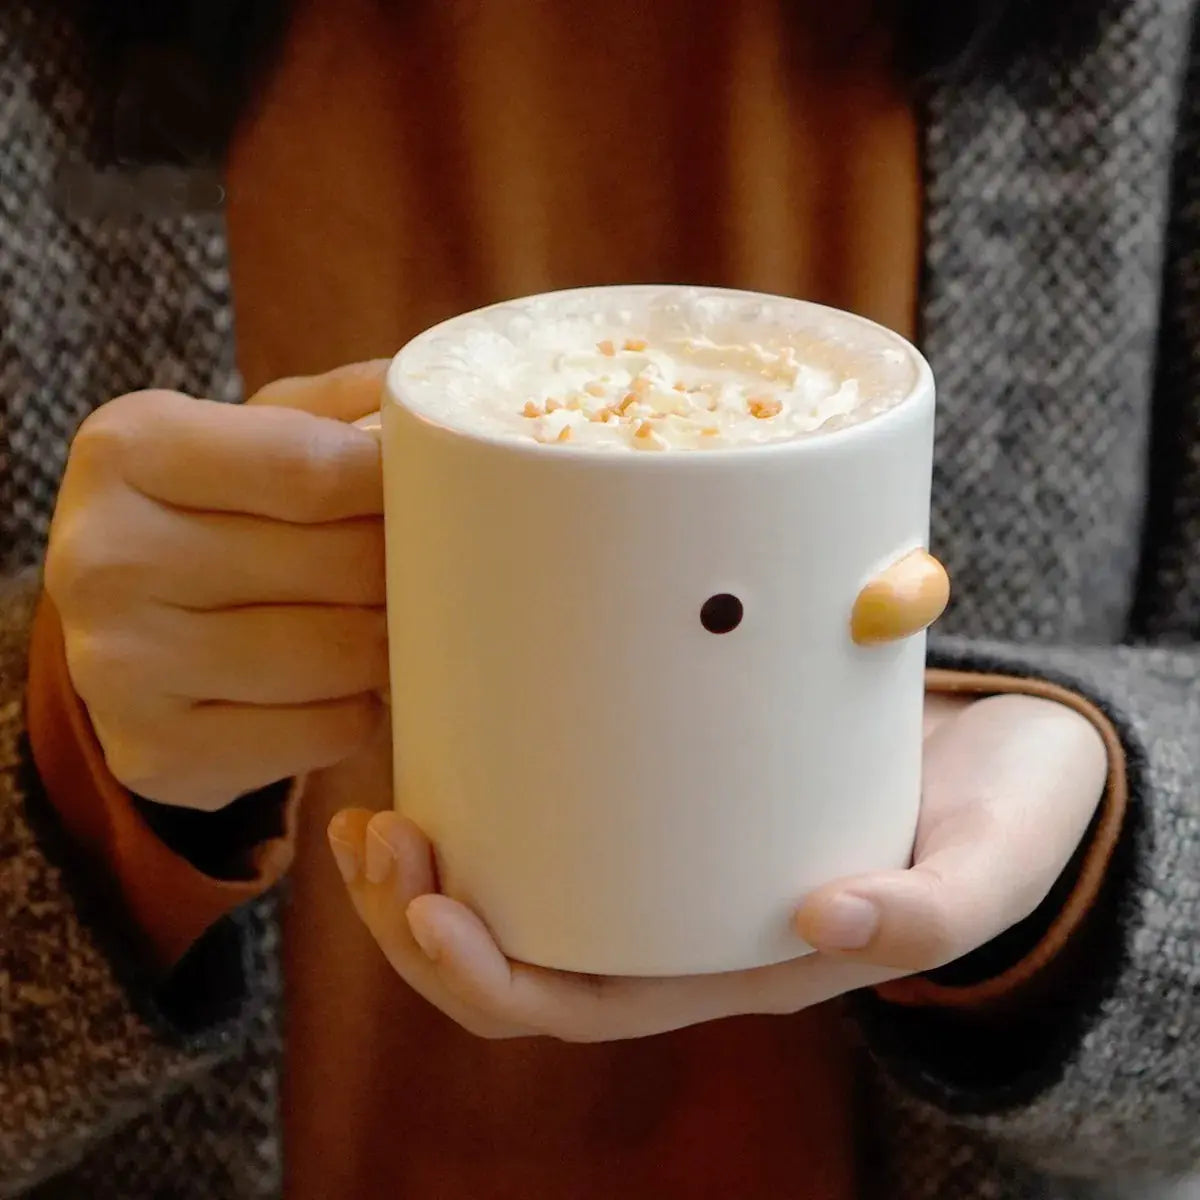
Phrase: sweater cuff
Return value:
(1028, 965)
(167, 898)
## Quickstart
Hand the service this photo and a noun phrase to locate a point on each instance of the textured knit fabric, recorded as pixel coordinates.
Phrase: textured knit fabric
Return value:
(1062, 315)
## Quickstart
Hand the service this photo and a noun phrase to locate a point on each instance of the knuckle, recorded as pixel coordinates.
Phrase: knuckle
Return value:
(98, 664)
(111, 433)
(82, 563)
(159, 769)
(104, 438)
(74, 561)
(142, 765)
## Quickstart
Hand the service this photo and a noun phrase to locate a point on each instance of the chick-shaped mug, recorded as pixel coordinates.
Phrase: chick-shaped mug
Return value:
(657, 594)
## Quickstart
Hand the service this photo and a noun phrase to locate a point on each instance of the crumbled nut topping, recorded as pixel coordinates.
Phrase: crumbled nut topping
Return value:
(764, 407)
(647, 406)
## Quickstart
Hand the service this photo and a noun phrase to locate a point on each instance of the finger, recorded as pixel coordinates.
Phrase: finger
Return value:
(1010, 787)
(387, 863)
(579, 1008)
(220, 560)
(229, 561)
(345, 393)
(264, 654)
(205, 756)
(446, 953)
(268, 460)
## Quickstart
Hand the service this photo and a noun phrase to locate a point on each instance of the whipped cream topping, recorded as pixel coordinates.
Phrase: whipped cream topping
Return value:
(691, 393)
(654, 369)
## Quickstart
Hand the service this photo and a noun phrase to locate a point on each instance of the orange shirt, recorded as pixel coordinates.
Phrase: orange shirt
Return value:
(410, 161)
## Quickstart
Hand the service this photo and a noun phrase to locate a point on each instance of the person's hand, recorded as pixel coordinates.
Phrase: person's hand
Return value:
(218, 571)
(1011, 784)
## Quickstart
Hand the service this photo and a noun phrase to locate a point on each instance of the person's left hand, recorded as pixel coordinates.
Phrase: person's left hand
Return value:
(1010, 785)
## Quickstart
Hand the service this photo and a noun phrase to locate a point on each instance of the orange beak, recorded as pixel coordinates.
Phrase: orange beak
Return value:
(901, 600)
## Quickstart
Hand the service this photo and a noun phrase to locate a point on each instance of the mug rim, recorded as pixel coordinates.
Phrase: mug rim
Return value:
(923, 386)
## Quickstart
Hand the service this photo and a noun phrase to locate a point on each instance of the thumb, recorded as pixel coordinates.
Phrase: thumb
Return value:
(940, 909)
(1010, 786)
(344, 394)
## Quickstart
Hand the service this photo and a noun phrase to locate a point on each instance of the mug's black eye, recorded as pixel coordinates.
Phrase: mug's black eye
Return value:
(721, 614)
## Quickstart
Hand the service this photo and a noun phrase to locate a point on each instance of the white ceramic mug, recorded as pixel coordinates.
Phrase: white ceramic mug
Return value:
(614, 788)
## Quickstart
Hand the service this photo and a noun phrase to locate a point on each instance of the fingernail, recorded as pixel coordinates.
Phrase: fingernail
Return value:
(380, 857)
(846, 923)
(346, 858)
(425, 937)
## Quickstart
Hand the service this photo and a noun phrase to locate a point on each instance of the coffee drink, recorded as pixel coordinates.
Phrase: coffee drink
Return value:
(652, 369)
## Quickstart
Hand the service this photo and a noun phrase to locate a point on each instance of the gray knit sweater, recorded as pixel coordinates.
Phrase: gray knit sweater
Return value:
(1061, 311)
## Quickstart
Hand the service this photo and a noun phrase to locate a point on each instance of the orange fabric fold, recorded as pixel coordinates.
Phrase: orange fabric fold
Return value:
(168, 901)
(1036, 975)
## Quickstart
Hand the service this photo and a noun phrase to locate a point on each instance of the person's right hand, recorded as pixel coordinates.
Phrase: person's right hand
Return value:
(218, 570)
